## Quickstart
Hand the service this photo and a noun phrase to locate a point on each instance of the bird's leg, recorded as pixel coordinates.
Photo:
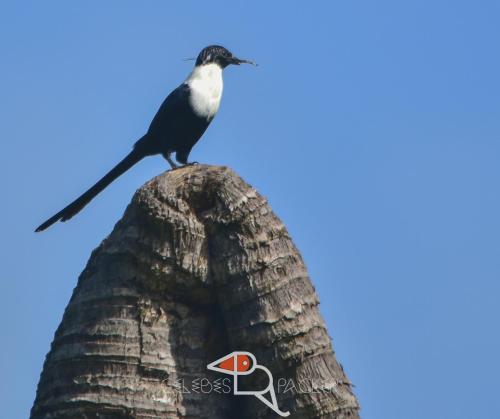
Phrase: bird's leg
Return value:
(170, 161)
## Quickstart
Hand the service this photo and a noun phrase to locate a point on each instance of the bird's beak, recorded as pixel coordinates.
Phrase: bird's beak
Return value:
(238, 61)
(236, 363)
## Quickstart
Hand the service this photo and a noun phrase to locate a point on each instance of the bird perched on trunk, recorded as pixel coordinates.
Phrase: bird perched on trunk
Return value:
(179, 123)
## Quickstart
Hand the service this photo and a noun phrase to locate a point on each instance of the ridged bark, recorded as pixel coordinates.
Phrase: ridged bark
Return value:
(199, 266)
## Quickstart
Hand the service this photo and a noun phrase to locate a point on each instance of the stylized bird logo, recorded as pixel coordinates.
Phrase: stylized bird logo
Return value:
(244, 363)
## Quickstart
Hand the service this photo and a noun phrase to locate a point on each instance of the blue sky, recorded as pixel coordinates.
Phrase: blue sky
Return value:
(372, 127)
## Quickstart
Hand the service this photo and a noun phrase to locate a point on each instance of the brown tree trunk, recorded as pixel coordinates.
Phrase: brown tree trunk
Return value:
(199, 266)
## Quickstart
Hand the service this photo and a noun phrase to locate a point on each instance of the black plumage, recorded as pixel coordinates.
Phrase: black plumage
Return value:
(179, 123)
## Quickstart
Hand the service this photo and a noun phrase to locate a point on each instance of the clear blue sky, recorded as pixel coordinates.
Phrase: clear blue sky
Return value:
(373, 127)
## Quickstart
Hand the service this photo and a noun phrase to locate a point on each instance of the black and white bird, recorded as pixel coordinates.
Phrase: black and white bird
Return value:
(179, 123)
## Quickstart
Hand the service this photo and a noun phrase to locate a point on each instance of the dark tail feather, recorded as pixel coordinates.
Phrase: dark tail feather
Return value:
(77, 205)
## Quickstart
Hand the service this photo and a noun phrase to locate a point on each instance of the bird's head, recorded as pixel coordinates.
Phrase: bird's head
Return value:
(236, 363)
(216, 54)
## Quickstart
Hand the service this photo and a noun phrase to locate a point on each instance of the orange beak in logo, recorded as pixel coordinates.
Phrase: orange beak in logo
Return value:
(243, 363)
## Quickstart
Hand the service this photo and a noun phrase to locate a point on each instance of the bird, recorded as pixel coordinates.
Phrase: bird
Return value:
(179, 123)
(240, 363)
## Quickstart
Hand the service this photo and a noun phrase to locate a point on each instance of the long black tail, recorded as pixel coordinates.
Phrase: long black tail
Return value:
(77, 205)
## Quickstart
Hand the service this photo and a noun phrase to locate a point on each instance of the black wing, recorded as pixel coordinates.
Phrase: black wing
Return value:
(175, 126)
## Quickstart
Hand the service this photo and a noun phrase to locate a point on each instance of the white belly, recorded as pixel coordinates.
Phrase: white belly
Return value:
(205, 83)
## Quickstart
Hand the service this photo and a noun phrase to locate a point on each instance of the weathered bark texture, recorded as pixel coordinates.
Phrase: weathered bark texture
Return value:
(198, 266)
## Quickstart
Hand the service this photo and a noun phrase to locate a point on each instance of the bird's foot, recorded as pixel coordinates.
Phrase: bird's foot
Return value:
(191, 163)
(170, 162)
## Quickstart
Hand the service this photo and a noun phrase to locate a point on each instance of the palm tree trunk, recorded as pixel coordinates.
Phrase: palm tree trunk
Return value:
(199, 266)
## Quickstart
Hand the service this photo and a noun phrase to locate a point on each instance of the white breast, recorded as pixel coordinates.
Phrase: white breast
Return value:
(205, 83)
